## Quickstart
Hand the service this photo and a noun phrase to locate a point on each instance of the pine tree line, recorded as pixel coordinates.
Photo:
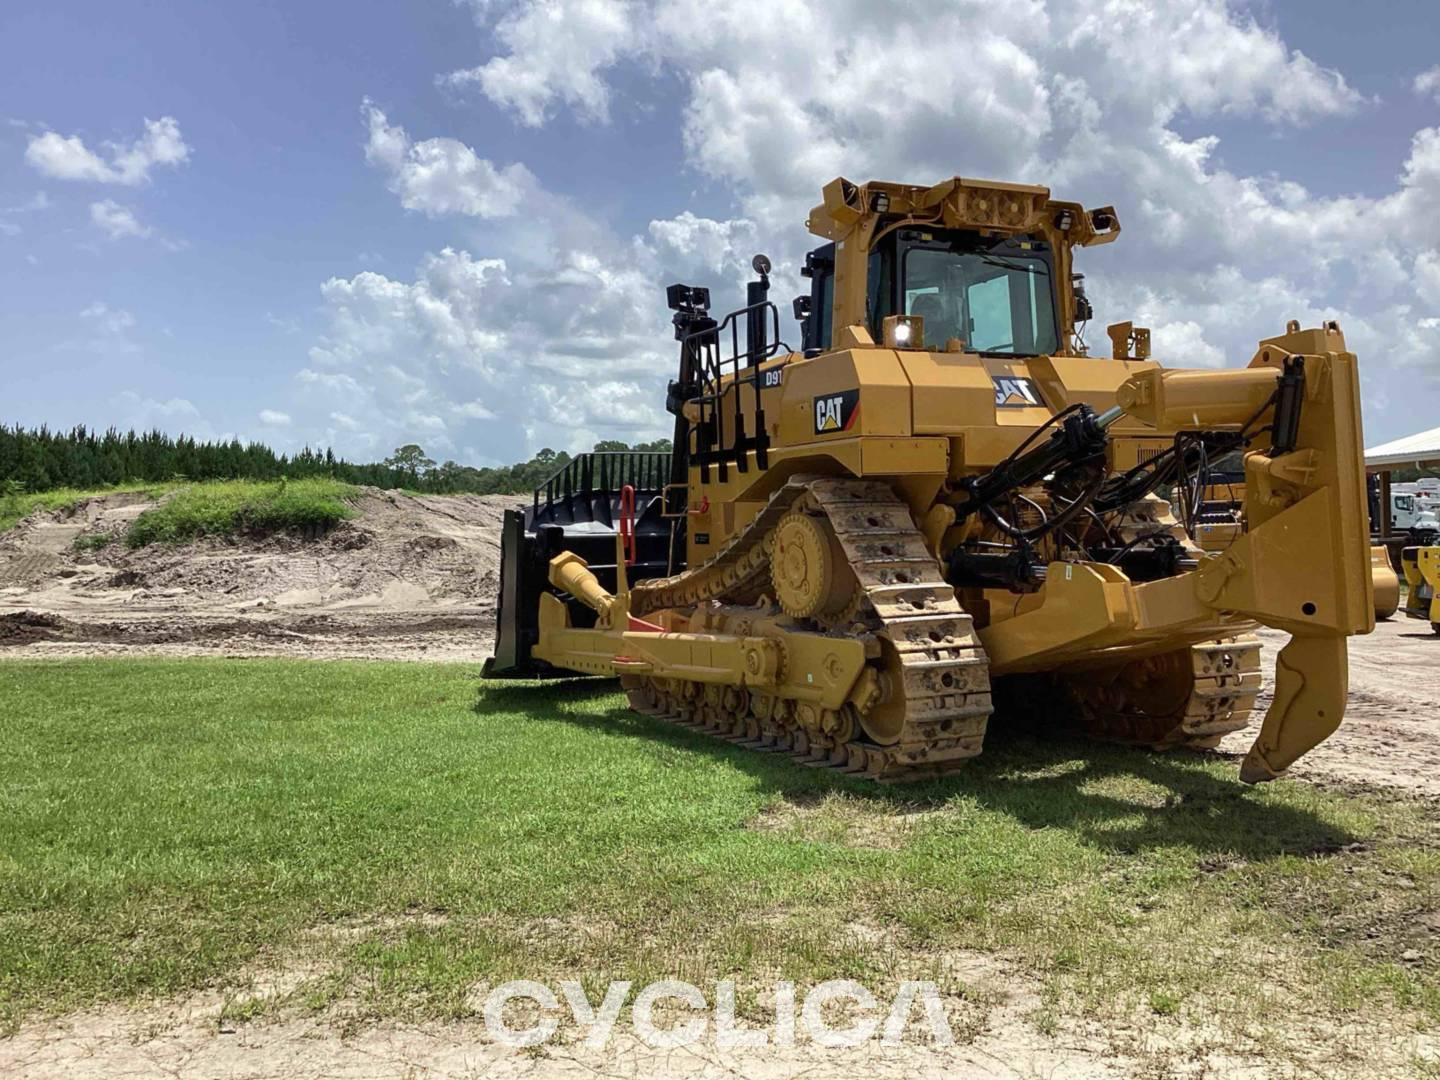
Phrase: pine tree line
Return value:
(38, 459)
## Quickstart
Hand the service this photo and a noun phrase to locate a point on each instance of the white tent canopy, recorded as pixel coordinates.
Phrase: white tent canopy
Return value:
(1419, 450)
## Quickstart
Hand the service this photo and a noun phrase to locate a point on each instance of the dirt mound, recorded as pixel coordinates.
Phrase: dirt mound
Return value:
(404, 568)
(400, 551)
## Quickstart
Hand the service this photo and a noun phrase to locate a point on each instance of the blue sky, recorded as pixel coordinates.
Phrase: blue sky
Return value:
(375, 223)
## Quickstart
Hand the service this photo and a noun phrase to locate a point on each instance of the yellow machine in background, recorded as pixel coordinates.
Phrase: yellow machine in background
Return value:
(1385, 581)
(940, 494)
(1422, 576)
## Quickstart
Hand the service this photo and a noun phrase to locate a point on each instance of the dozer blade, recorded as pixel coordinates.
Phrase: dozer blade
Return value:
(1303, 566)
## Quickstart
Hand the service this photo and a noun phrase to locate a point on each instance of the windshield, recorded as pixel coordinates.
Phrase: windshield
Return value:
(994, 302)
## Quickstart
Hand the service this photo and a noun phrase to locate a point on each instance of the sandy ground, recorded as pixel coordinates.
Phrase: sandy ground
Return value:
(408, 578)
(188, 1039)
(996, 1030)
(1391, 733)
(415, 578)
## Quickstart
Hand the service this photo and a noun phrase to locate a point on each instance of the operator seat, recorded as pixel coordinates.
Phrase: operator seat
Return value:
(937, 325)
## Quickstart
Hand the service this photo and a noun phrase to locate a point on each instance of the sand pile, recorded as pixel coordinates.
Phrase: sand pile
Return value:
(372, 586)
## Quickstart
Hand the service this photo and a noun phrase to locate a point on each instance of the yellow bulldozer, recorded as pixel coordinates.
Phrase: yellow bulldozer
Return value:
(940, 501)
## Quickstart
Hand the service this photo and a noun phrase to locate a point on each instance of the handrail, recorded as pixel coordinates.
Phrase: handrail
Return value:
(605, 470)
(706, 369)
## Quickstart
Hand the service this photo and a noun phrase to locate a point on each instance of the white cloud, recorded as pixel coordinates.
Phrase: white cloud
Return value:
(39, 201)
(557, 52)
(111, 327)
(775, 100)
(68, 158)
(564, 339)
(285, 325)
(425, 423)
(343, 420)
(1427, 83)
(177, 414)
(474, 410)
(274, 418)
(721, 248)
(1427, 278)
(443, 176)
(116, 221)
(560, 352)
(108, 330)
(1087, 98)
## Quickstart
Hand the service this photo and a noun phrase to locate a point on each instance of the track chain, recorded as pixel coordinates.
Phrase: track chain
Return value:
(1225, 678)
(934, 675)
(934, 697)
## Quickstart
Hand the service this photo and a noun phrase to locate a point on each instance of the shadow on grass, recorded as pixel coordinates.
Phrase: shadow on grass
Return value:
(1119, 799)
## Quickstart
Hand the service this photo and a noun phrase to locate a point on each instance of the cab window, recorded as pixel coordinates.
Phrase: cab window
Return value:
(995, 300)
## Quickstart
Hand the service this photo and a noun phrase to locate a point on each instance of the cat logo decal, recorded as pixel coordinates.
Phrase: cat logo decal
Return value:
(836, 412)
(1015, 392)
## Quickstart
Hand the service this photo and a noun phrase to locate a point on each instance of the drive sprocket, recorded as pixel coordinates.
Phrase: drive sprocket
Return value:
(809, 571)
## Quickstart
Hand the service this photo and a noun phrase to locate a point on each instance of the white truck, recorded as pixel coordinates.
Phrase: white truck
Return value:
(1414, 512)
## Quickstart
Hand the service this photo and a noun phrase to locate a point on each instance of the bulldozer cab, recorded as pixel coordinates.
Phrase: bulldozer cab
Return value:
(995, 295)
(986, 265)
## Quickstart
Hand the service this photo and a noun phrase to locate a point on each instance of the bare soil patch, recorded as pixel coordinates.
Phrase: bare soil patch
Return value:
(998, 1032)
(411, 577)
(258, 1027)
(1391, 733)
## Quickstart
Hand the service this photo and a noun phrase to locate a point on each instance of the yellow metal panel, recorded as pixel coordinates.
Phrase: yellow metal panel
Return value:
(904, 457)
(1068, 380)
(884, 401)
(952, 391)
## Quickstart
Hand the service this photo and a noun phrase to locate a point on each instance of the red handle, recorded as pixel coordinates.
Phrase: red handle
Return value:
(627, 523)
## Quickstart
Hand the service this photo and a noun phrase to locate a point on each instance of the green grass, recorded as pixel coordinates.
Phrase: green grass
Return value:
(224, 508)
(15, 506)
(214, 508)
(405, 833)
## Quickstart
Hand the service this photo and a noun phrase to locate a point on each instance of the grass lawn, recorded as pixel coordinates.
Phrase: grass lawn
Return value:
(405, 833)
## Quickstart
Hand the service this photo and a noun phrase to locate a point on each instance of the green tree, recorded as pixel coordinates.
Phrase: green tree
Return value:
(410, 459)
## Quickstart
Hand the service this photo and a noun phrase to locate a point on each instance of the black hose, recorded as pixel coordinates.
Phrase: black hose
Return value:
(1129, 545)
